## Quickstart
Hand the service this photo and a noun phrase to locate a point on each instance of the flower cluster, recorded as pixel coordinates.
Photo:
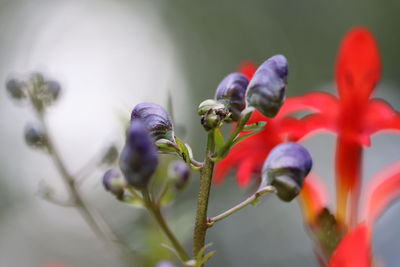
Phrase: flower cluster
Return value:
(353, 116)
(237, 97)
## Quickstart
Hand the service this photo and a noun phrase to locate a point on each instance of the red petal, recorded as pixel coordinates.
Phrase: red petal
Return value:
(296, 129)
(316, 102)
(248, 69)
(354, 250)
(358, 66)
(383, 191)
(380, 116)
(250, 152)
(245, 171)
(313, 197)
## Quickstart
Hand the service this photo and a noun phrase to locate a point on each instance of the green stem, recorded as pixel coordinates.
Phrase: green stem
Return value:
(156, 212)
(231, 140)
(250, 200)
(200, 227)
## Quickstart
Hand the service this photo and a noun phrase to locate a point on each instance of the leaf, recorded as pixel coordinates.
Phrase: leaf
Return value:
(168, 198)
(184, 151)
(200, 259)
(133, 201)
(241, 138)
(258, 126)
(208, 256)
(218, 138)
(166, 146)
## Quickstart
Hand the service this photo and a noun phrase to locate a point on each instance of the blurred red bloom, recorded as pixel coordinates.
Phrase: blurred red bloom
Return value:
(353, 116)
(354, 249)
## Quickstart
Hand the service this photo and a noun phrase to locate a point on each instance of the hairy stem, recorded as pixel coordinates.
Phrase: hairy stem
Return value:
(156, 212)
(200, 227)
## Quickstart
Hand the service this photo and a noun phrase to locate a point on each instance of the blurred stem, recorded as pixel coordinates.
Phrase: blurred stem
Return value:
(96, 223)
(200, 228)
(250, 200)
(156, 212)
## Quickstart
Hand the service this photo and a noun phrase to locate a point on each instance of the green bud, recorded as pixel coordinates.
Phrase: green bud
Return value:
(212, 113)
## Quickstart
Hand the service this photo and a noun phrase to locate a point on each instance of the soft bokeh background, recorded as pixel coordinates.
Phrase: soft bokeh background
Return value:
(110, 55)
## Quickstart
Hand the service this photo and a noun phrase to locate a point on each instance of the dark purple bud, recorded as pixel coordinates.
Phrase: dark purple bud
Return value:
(35, 136)
(165, 264)
(231, 92)
(16, 89)
(266, 91)
(113, 183)
(180, 171)
(139, 157)
(156, 120)
(286, 167)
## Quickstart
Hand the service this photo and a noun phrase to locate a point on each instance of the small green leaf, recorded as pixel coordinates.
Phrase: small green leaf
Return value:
(168, 198)
(208, 256)
(183, 150)
(166, 146)
(133, 201)
(255, 202)
(258, 126)
(241, 138)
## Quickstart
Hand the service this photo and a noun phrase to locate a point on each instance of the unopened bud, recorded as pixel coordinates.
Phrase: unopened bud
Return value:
(285, 168)
(16, 89)
(156, 120)
(35, 136)
(113, 183)
(212, 113)
(266, 90)
(165, 264)
(139, 157)
(180, 172)
(53, 89)
(231, 92)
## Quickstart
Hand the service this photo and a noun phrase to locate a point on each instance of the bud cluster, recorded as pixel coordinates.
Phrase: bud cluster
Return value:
(265, 92)
(40, 91)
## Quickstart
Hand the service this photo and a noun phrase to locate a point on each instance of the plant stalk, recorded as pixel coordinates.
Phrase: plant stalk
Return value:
(200, 228)
(250, 200)
(156, 212)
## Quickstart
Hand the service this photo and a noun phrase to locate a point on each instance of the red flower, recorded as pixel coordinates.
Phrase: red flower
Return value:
(354, 116)
(354, 249)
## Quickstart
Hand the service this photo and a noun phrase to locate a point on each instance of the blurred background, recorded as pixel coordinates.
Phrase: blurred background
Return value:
(110, 55)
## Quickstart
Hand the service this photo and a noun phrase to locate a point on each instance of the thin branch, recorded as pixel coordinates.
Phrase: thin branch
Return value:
(250, 200)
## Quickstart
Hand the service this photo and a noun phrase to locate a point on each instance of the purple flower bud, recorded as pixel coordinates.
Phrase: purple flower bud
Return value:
(16, 89)
(180, 171)
(113, 183)
(266, 91)
(231, 92)
(156, 120)
(165, 264)
(53, 89)
(286, 167)
(139, 157)
(35, 136)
